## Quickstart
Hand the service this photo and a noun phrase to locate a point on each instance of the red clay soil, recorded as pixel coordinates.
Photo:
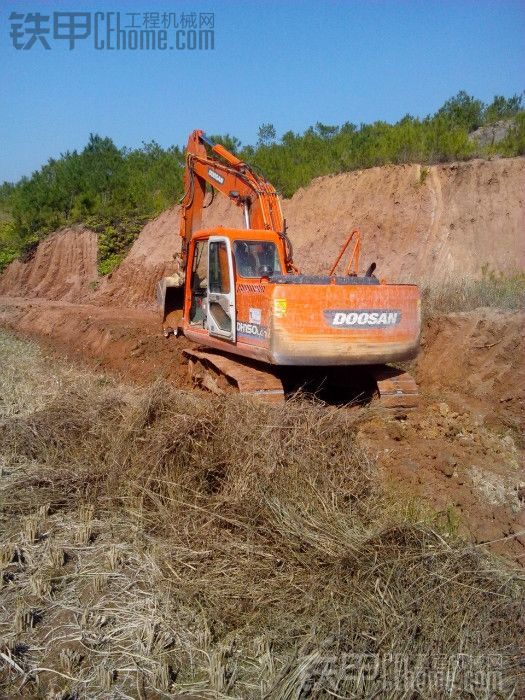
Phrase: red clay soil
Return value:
(64, 266)
(478, 359)
(466, 471)
(460, 450)
(133, 284)
(420, 224)
(125, 342)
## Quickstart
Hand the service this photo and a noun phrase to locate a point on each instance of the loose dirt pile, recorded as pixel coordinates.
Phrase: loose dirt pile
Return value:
(420, 224)
(477, 358)
(469, 473)
(462, 451)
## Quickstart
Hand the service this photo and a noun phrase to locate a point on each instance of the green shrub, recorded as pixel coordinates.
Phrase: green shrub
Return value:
(109, 264)
(115, 190)
(7, 256)
(10, 244)
(514, 143)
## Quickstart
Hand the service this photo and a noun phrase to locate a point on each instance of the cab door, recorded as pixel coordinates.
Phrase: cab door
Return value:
(221, 317)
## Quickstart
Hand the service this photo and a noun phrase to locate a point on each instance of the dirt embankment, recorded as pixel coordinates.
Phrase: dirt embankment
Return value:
(420, 224)
(132, 285)
(123, 341)
(478, 357)
(64, 266)
(151, 257)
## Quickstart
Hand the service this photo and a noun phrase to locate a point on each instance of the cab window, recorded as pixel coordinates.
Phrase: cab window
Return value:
(219, 270)
(256, 259)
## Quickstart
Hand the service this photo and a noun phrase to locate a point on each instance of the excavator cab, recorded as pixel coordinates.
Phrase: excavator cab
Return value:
(256, 259)
(245, 260)
(199, 284)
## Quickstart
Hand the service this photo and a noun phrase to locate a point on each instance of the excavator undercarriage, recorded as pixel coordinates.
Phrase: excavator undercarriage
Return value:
(382, 386)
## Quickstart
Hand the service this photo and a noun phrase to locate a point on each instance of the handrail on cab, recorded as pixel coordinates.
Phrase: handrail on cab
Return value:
(354, 258)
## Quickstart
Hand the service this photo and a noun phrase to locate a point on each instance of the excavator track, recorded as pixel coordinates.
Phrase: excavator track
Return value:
(397, 391)
(220, 374)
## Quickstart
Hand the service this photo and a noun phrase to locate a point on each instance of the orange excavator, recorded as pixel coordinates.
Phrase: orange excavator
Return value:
(260, 324)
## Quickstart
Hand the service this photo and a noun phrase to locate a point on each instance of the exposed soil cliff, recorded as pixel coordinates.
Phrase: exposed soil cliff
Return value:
(420, 224)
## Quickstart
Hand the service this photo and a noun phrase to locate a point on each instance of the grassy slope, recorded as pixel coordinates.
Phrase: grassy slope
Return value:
(159, 542)
(493, 290)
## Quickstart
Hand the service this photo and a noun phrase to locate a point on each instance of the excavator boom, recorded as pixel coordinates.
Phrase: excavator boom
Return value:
(232, 177)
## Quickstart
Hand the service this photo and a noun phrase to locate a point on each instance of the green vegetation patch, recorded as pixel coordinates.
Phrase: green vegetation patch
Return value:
(492, 290)
(115, 190)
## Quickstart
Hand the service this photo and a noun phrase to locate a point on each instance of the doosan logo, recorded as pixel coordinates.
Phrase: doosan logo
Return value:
(215, 176)
(363, 318)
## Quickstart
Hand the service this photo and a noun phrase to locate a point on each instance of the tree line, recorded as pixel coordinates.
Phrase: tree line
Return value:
(116, 190)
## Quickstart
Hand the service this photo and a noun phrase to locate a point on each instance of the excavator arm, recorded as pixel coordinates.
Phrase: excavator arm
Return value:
(212, 164)
(235, 179)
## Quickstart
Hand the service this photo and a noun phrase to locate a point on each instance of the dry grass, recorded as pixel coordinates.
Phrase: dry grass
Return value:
(492, 290)
(160, 543)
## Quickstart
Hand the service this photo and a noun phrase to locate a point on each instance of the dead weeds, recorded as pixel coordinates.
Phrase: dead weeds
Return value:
(160, 543)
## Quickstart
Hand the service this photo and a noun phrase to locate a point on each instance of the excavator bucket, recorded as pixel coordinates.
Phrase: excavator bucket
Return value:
(170, 302)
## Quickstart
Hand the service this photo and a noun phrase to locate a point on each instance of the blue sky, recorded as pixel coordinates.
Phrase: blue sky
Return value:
(289, 63)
